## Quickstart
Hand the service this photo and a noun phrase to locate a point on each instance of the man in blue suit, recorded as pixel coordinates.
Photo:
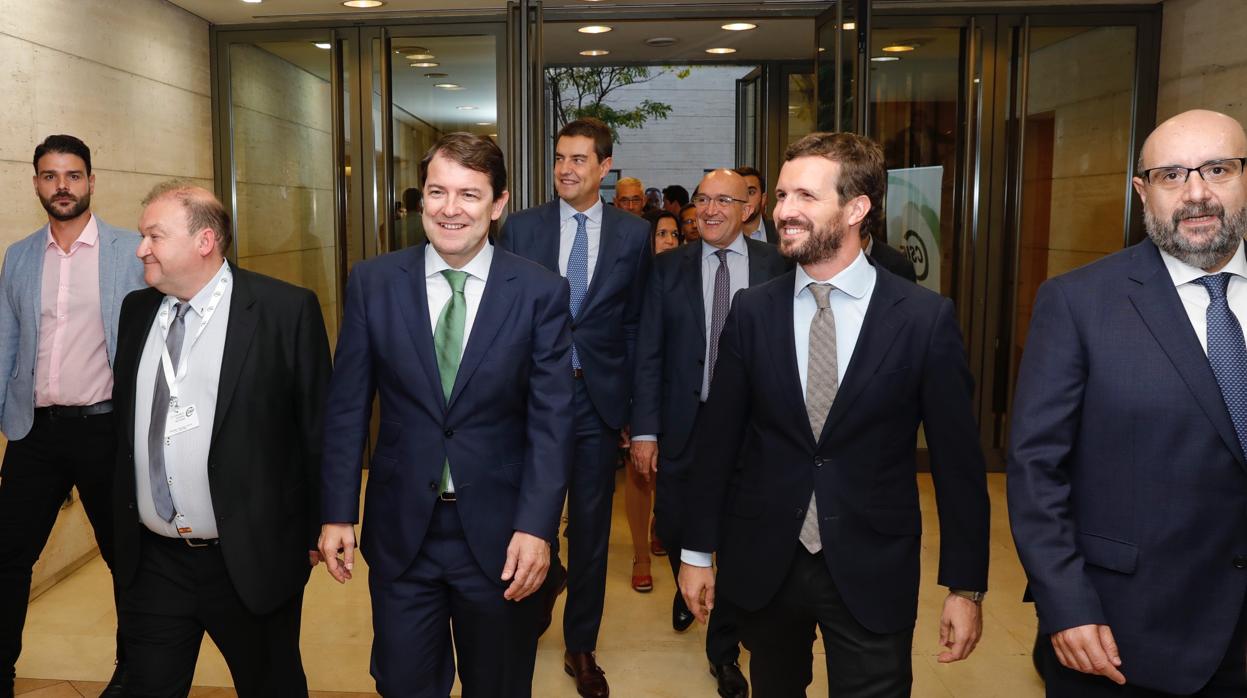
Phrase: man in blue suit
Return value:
(60, 295)
(605, 255)
(469, 349)
(1127, 480)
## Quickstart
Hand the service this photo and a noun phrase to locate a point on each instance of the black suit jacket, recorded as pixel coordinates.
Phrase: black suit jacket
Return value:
(605, 330)
(1127, 484)
(671, 347)
(893, 260)
(264, 462)
(908, 367)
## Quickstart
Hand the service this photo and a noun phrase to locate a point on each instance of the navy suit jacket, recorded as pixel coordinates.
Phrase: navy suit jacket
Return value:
(908, 367)
(505, 429)
(606, 328)
(671, 347)
(1127, 485)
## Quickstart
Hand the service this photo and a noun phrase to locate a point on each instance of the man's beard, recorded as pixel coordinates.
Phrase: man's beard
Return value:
(816, 247)
(81, 205)
(1201, 255)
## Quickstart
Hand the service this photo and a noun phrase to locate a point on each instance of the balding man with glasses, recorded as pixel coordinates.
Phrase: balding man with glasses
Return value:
(1127, 476)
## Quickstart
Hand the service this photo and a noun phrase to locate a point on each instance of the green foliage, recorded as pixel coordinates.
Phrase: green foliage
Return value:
(580, 91)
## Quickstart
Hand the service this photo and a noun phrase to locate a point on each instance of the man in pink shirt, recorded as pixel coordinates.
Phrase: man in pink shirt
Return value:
(60, 295)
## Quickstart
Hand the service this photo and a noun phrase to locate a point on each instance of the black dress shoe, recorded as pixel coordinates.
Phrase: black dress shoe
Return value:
(681, 617)
(732, 683)
(116, 685)
(556, 582)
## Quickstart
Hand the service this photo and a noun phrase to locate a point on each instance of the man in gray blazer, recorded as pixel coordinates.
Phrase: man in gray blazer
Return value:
(60, 294)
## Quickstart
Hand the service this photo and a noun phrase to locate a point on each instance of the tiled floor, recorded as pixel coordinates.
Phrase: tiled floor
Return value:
(69, 634)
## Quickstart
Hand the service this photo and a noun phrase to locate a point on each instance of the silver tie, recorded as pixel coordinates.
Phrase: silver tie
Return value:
(821, 383)
(161, 494)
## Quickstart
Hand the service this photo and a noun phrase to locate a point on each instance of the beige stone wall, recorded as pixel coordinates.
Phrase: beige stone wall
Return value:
(283, 151)
(131, 79)
(1203, 58)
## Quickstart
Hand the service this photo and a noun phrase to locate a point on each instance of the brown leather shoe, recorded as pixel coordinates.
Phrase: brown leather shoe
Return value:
(590, 679)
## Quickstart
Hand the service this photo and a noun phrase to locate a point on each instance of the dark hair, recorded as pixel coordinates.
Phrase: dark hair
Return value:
(751, 171)
(203, 210)
(862, 168)
(686, 207)
(412, 199)
(657, 215)
(62, 143)
(477, 153)
(589, 127)
(676, 193)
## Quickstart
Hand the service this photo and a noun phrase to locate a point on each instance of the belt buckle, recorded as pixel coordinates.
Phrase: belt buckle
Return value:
(578, 373)
(190, 542)
(447, 496)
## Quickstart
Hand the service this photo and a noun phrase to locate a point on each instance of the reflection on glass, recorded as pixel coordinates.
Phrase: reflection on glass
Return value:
(459, 93)
(800, 106)
(913, 110)
(1076, 152)
(747, 109)
(281, 107)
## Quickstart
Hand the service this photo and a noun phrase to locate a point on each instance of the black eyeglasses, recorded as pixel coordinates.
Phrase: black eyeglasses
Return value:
(1212, 172)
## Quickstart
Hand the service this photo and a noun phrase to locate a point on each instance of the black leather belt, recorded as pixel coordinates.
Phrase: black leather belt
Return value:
(75, 411)
(447, 497)
(190, 542)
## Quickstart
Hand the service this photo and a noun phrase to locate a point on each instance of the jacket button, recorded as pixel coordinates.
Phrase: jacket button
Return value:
(697, 392)
(818, 462)
(800, 513)
(1240, 562)
(433, 485)
(449, 433)
(130, 505)
(701, 362)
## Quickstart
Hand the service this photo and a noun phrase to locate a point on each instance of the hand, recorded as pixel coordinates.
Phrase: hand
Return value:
(961, 626)
(528, 560)
(1090, 649)
(697, 586)
(313, 557)
(338, 538)
(625, 436)
(645, 458)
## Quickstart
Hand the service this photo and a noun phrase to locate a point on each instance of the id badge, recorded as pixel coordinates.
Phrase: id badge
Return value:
(181, 419)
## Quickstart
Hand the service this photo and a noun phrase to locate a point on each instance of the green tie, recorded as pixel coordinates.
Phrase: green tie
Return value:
(448, 343)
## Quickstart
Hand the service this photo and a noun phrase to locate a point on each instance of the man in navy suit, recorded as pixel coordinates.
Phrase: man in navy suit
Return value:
(1127, 480)
(687, 299)
(605, 255)
(469, 349)
(804, 477)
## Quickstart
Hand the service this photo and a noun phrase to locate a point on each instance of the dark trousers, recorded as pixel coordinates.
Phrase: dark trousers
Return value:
(180, 592)
(445, 596)
(722, 634)
(38, 473)
(780, 638)
(591, 486)
(1229, 681)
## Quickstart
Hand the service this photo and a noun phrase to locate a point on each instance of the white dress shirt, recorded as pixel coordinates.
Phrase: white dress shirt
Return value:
(855, 285)
(567, 235)
(186, 454)
(439, 292)
(1195, 297)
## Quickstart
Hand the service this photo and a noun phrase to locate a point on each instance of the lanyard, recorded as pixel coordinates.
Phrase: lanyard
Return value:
(172, 379)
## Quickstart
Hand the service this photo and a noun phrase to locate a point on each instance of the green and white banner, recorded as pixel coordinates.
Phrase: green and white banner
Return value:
(913, 213)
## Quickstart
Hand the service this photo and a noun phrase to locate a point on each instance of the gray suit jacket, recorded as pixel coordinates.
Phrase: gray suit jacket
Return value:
(21, 285)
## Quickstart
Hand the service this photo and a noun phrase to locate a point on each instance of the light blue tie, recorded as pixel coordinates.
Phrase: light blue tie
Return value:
(578, 272)
(1227, 352)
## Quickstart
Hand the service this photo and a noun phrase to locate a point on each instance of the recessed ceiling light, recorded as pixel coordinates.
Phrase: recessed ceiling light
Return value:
(484, 123)
(425, 64)
(885, 59)
(437, 75)
(467, 108)
(493, 135)
(253, 2)
(899, 48)
(363, 4)
(595, 52)
(420, 56)
(594, 29)
(821, 49)
(720, 50)
(448, 86)
(850, 26)
(661, 41)
(739, 26)
(411, 49)
(323, 44)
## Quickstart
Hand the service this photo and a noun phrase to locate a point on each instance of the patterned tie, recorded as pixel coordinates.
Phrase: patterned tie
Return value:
(718, 310)
(448, 344)
(578, 272)
(1226, 351)
(821, 383)
(156, 472)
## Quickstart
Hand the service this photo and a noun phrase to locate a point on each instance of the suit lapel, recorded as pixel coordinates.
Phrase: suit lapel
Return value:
(238, 335)
(108, 267)
(495, 307)
(136, 340)
(759, 262)
(416, 317)
(608, 251)
(782, 337)
(690, 274)
(549, 236)
(1157, 302)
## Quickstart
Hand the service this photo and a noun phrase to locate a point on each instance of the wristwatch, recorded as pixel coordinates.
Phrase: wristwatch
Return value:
(975, 596)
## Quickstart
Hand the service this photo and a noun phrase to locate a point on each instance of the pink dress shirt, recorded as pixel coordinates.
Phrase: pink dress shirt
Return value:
(71, 367)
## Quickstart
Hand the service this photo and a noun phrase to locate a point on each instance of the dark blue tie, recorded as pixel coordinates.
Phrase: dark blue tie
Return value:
(578, 272)
(1227, 352)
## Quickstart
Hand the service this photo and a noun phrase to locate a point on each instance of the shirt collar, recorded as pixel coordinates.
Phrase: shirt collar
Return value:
(478, 266)
(199, 302)
(593, 213)
(89, 236)
(855, 279)
(738, 246)
(1183, 273)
